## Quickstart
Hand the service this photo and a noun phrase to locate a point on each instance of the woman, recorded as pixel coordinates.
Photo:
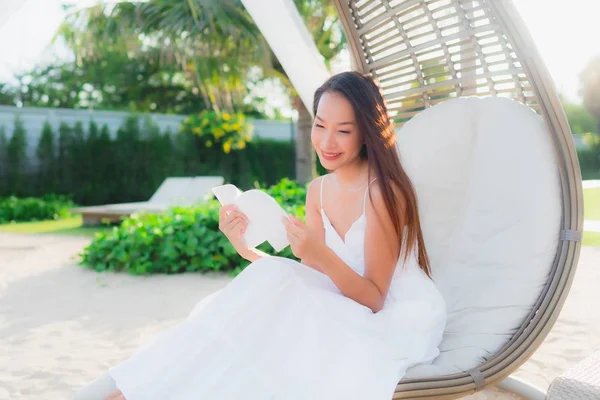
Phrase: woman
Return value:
(346, 322)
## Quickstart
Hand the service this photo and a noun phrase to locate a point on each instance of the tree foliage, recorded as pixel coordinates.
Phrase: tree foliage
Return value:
(212, 44)
(590, 88)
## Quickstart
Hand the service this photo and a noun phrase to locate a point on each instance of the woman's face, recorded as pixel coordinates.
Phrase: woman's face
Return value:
(335, 135)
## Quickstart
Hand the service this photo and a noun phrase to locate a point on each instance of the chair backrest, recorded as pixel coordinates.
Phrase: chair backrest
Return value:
(185, 190)
(490, 204)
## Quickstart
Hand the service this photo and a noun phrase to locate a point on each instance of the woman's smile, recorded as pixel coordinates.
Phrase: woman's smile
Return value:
(330, 156)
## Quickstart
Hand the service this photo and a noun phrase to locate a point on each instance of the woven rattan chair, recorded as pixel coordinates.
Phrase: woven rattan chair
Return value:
(424, 51)
(428, 52)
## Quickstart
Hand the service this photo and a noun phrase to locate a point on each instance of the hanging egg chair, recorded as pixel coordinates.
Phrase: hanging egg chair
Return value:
(483, 136)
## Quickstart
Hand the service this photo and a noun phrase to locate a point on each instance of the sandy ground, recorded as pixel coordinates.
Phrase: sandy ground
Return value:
(62, 325)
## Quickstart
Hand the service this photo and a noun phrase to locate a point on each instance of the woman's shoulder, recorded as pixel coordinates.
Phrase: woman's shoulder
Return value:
(377, 186)
(313, 192)
(315, 184)
(318, 179)
(376, 194)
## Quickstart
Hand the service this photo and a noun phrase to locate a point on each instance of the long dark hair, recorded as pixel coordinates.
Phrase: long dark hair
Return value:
(380, 151)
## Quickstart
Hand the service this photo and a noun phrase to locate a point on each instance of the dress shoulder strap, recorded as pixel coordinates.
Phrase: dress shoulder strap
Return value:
(365, 197)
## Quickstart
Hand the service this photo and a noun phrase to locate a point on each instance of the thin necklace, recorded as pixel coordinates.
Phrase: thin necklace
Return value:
(351, 188)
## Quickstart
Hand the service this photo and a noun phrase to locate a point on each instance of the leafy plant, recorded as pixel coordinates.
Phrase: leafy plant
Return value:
(183, 239)
(16, 158)
(26, 209)
(229, 131)
(3, 159)
(589, 159)
(46, 155)
(289, 194)
(94, 166)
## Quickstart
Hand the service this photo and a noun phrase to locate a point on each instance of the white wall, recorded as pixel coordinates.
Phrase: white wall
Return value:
(34, 118)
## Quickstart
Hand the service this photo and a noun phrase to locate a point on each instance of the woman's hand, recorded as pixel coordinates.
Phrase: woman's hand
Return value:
(304, 244)
(233, 224)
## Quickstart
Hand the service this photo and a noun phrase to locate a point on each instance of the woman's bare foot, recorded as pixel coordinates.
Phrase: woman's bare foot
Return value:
(116, 395)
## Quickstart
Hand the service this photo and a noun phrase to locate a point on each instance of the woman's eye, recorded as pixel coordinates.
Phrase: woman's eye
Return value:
(318, 125)
(346, 132)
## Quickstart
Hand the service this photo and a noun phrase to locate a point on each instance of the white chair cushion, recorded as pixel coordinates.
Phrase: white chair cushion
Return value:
(487, 182)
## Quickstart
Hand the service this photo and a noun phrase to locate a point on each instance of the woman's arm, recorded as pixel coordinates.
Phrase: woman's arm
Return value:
(382, 250)
(381, 255)
(314, 222)
(233, 224)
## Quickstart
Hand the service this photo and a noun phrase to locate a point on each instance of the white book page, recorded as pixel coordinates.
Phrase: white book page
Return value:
(263, 212)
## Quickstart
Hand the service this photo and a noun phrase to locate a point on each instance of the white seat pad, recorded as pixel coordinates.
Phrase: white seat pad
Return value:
(487, 181)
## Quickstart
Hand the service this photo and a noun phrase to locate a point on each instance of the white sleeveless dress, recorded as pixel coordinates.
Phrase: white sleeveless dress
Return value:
(281, 330)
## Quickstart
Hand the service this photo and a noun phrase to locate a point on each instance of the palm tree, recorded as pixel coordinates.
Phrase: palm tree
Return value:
(207, 39)
(590, 89)
(213, 40)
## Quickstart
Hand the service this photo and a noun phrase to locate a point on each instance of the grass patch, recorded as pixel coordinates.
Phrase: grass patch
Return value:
(591, 239)
(591, 201)
(67, 226)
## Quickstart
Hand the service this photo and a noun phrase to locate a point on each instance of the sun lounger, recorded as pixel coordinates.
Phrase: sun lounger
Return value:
(173, 191)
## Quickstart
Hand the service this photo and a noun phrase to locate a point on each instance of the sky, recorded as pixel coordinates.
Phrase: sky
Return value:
(565, 34)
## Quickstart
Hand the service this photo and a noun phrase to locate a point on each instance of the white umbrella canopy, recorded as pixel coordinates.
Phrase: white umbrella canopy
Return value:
(288, 37)
(9, 8)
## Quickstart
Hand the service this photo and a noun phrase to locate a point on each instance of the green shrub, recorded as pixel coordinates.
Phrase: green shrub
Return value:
(3, 159)
(64, 157)
(589, 159)
(95, 167)
(289, 194)
(227, 131)
(16, 159)
(46, 155)
(15, 209)
(183, 239)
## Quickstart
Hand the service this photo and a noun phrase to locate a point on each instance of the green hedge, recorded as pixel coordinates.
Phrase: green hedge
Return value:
(184, 239)
(95, 167)
(589, 159)
(49, 207)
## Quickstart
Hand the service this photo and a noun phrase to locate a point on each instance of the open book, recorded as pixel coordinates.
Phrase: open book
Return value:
(263, 212)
